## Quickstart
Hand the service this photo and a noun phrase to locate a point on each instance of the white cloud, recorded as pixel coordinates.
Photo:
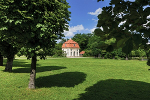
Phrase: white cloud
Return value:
(148, 17)
(73, 29)
(96, 13)
(95, 19)
(92, 30)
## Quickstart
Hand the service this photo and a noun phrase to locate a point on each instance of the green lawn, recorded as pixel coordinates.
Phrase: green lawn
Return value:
(77, 79)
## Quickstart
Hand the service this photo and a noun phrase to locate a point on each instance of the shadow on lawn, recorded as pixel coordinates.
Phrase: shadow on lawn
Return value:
(67, 79)
(117, 89)
(26, 67)
(38, 69)
(19, 63)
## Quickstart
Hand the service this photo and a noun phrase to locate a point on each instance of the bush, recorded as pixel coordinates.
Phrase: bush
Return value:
(117, 57)
(105, 57)
(87, 53)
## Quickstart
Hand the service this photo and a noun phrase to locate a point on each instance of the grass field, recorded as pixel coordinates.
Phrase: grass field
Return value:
(77, 79)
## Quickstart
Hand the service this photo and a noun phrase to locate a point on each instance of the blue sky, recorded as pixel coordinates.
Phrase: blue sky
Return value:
(84, 16)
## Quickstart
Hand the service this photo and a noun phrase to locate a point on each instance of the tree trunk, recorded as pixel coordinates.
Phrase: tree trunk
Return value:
(33, 73)
(1, 60)
(126, 57)
(9, 64)
(99, 55)
(142, 59)
(113, 57)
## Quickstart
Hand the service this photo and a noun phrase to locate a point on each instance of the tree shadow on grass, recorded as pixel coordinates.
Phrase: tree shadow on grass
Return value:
(38, 69)
(18, 63)
(117, 89)
(22, 63)
(67, 79)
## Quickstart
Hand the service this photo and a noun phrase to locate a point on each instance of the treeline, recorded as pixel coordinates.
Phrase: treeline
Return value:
(95, 47)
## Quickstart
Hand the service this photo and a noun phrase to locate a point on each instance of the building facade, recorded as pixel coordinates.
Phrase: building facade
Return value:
(71, 48)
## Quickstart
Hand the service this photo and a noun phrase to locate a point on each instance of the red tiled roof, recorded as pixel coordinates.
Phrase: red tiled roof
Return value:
(82, 52)
(70, 44)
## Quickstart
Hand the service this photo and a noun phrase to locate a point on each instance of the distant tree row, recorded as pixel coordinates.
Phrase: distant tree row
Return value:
(95, 47)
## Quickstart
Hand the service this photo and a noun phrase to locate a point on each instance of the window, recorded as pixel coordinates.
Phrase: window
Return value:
(71, 49)
(65, 45)
(74, 44)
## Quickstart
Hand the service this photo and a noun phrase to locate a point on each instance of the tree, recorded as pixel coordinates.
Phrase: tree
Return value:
(127, 22)
(82, 40)
(57, 51)
(94, 45)
(8, 49)
(36, 24)
(141, 53)
(1, 59)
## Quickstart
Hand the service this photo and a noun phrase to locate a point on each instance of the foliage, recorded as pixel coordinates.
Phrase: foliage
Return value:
(94, 45)
(57, 51)
(7, 49)
(36, 24)
(87, 53)
(127, 22)
(82, 40)
(125, 11)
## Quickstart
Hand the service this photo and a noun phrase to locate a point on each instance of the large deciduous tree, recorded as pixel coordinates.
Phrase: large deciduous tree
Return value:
(8, 48)
(9, 51)
(36, 23)
(126, 21)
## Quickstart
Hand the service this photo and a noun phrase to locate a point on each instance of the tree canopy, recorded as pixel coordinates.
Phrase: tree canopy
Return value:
(127, 22)
(36, 24)
(82, 40)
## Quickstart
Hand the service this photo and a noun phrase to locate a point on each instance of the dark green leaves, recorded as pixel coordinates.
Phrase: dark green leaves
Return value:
(34, 23)
(137, 38)
(128, 46)
(110, 48)
(121, 42)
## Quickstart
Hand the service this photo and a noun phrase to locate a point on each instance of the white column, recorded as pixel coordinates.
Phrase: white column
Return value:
(75, 52)
(69, 52)
(78, 52)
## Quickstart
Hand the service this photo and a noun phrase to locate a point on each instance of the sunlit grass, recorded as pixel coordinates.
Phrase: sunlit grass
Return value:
(77, 78)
